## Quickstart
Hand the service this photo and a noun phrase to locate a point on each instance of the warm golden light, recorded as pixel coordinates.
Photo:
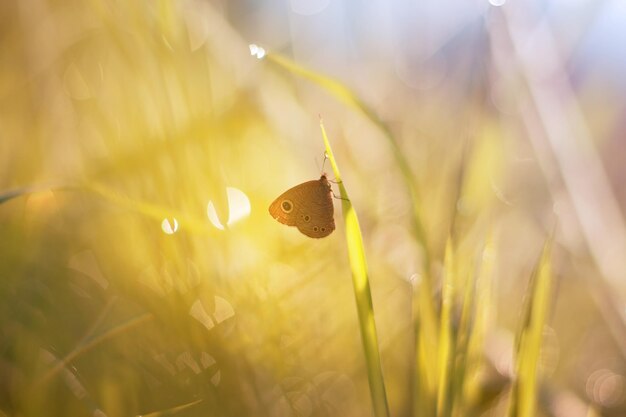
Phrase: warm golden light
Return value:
(169, 226)
(154, 154)
(256, 51)
(238, 208)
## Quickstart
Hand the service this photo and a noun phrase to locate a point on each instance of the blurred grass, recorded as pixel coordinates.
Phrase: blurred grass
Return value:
(529, 339)
(451, 358)
(447, 349)
(158, 108)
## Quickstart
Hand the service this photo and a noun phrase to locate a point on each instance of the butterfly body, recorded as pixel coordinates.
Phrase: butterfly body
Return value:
(308, 206)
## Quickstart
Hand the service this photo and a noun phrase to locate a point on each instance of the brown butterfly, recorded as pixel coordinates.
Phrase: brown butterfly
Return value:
(308, 206)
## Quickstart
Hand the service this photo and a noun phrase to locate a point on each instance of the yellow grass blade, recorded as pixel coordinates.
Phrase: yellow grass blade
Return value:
(346, 96)
(463, 335)
(155, 211)
(24, 191)
(446, 336)
(426, 344)
(362, 293)
(426, 336)
(483, 316)
(524, 391)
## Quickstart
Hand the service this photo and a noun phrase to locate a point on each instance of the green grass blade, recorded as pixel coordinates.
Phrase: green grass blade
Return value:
(426, 351)
(524, 391)
(481, 322)
(422, 393)
(464, 333)
(362, 293)
(446, 334)
(24, 191)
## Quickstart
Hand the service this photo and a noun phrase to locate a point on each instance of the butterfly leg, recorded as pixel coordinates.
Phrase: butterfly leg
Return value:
(338, 197)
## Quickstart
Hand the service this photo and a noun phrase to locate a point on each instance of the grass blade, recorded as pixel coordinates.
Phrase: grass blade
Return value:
(154, 211)
(483, 314)
(362, 293)
(348, 97)
(424, 310)
(24, 191)
(524, 391)
(426, 352)
(463, 335)
(446, 335)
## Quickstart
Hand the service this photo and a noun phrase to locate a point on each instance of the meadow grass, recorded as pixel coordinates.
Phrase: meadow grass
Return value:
(140, 113)
(442, 348)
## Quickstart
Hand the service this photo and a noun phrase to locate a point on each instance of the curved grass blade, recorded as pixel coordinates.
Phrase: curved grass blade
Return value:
(174, 410)
(11, 194)
(194, 223)
(90, 342)
(157, 212)
(24, 191)
(362, 293)
(345, 95)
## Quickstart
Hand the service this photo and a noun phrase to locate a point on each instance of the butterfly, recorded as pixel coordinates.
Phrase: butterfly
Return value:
(308, 206)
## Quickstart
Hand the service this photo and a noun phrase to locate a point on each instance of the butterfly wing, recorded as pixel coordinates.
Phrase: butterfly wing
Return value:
(316, 218)
(285, 208)
(308, 206)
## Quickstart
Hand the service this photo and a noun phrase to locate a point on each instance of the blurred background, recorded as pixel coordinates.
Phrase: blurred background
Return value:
(142, 142)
